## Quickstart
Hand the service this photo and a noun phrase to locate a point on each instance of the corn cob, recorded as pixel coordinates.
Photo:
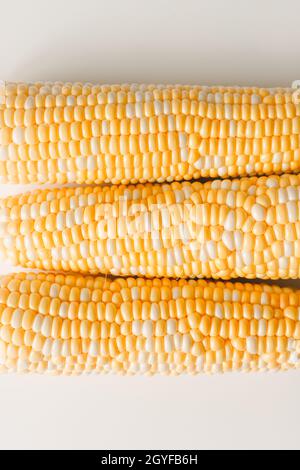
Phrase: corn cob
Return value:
(71, 324)
(63, 132)
(221, 229)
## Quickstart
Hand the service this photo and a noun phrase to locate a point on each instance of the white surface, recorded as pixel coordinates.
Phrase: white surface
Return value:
(253, 42)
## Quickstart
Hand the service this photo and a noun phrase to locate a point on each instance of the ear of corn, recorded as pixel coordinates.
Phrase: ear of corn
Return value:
(71, 324)
(63, 132)
(222, 229)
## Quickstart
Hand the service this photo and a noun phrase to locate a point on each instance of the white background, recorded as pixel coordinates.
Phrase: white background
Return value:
(250, 42)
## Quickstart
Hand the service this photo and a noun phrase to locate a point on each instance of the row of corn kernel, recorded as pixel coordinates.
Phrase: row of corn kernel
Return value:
(133, 91)
(152, 148)
(177, 109)
(158, 166)
(178, 131)
(194, 325)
